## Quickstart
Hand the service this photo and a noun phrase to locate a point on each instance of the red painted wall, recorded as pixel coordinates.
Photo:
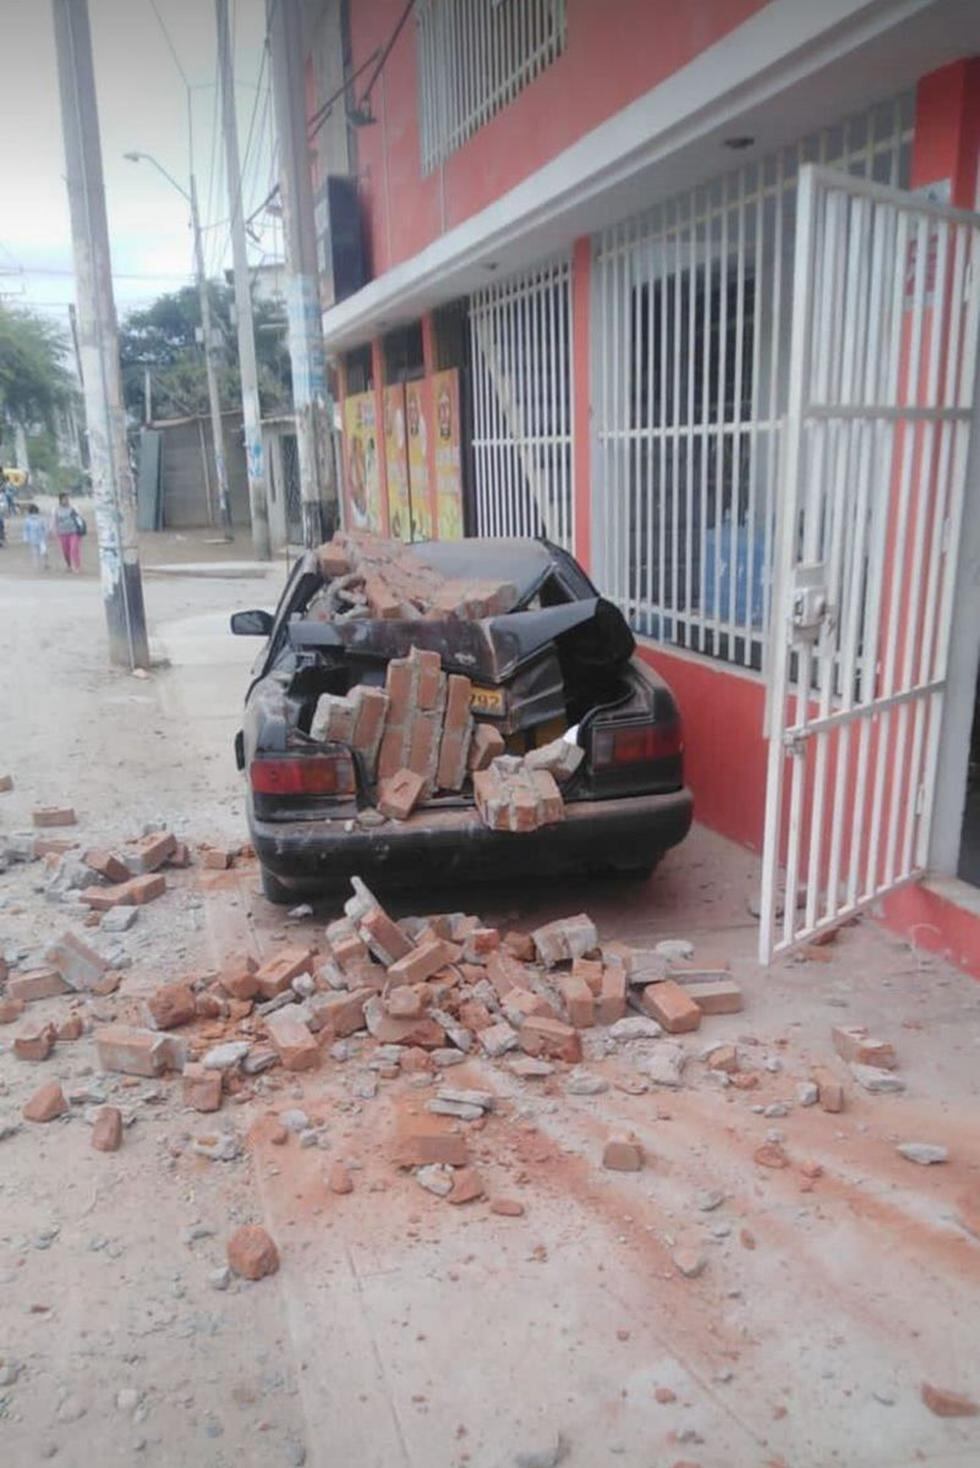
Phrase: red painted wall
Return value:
(616, 51)
(724, 752)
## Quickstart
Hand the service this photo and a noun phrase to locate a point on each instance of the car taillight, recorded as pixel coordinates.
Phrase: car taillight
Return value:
(304, 774)
(634, 744)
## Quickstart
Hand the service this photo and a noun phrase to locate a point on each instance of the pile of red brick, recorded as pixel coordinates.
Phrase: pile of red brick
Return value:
(384, 580)
(416, 735)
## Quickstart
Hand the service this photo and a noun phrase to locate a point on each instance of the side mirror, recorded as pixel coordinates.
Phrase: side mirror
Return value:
(255, 623)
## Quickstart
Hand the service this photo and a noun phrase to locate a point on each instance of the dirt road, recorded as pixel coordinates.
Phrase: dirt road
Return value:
(401, 1330)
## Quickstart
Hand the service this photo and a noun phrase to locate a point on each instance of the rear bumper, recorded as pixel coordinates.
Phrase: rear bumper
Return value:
(314, 856)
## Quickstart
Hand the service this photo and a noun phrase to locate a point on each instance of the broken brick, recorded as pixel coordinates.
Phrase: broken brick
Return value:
(294, 1044)
(79, 965)
(505, 973)
(107, 865)
(611, 1004)
(218, 858)
(568, 938)
(39, 983)
(107, 1132)
(276, 974)
(671, 1006)
(945, 1403)
(172, 1005)
(424, 1139)
(137, 1052)
(479, 942)
(474, 1015)
(591, 970)
(11, 1009)
(201, 1088)
(237, 976)
(339, 1179)
(35, 1041)
(53, 815)
(342, 1013)
(507, 1207)
(370, 711)
(137, 892)
(46, 1103)
(399, 794)
(717, 997)
(152, 851)
(467, 1186)
(387, 1030)
(405, 1002)
(856, 1046)
(457, 733)
(71, 1028)
(520, 945)
(724, 1058)
(252, 1253)
(560, 758)
(578, 999)
(419, 964)
(540, 1035)
(830, 1091)
(622, 1154)
(333, 719)
(485, 746)
(520, 1004)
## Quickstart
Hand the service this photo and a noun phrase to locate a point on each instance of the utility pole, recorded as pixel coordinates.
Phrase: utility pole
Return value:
(112, 479)
(251, 408)
(210, 353)
(314, 412)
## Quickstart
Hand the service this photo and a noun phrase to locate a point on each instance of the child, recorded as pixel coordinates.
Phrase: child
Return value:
(36, 536)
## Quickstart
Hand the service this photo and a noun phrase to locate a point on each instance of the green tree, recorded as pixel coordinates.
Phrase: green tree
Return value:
(33, 380)
(163, 338)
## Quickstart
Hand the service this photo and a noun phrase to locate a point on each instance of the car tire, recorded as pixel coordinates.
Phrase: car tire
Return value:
(273, 890)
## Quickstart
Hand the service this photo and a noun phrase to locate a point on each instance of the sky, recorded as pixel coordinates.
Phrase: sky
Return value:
(142, 100)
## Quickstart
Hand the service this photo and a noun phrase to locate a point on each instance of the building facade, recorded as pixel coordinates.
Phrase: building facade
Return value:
(692, 291)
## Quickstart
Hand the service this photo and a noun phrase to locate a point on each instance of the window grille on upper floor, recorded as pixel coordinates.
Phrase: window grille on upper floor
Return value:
(474, 57)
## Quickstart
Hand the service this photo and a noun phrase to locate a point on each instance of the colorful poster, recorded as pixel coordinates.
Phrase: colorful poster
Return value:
(396, 461)
(449, 474)
(418, 398)
(362, 486)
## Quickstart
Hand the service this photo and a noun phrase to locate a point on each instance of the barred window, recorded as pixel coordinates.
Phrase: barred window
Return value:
(474, 57)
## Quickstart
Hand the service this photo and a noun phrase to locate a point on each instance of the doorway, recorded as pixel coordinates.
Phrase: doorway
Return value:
(968, 869)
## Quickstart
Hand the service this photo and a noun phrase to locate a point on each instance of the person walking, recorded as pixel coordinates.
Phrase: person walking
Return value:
(69, 528)
(36, 536)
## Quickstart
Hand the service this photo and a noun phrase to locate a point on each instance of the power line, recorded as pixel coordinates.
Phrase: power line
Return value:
(167, 38)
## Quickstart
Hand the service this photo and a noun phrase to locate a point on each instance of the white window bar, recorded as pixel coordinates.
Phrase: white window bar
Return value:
(474, 57)
(521, 357)
(689, 370)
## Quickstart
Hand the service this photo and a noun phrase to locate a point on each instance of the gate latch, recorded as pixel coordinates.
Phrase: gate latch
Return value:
(810, 610)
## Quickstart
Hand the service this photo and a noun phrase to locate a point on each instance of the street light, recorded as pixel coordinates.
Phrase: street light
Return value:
(217, 434)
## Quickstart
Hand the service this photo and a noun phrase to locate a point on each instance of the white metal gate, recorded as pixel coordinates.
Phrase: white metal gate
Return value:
(521, 341)
(881, 389)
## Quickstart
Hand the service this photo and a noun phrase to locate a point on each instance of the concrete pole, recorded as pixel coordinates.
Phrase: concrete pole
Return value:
(210, 353)
(112, 479)
(251, 408)
(313, 409)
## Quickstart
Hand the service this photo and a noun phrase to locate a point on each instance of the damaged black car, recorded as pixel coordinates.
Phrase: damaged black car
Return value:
(556, 671)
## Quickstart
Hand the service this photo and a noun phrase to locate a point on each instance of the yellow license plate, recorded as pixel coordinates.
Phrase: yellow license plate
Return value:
(487, 700)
